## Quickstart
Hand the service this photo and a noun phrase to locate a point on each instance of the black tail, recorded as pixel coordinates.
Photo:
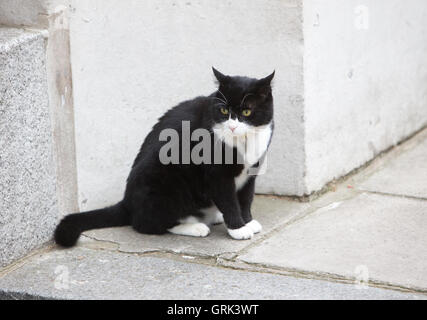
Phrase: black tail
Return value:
(69, 229)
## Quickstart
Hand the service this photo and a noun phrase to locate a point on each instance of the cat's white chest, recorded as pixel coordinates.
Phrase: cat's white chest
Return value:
(252, 148)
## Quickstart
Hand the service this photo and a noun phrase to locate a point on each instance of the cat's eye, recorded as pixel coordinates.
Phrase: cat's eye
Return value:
(224, 111)
(246, 112)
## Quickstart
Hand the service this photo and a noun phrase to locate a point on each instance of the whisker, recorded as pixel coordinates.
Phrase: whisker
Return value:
(219, 100)
(223, 95)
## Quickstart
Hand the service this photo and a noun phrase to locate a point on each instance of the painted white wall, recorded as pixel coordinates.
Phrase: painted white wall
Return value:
(365, 76)
(133, 60)
(349, 80)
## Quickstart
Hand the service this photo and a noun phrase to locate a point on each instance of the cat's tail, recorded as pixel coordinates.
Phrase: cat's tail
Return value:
(69, 229)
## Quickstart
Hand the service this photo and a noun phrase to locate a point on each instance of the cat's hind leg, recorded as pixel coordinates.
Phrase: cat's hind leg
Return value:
(212, 215)
(190, 226)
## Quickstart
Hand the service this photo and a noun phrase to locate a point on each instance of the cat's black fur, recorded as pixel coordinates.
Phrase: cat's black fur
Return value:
(158, 195)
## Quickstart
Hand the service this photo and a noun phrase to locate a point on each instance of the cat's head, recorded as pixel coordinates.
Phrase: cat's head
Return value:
(241, 104)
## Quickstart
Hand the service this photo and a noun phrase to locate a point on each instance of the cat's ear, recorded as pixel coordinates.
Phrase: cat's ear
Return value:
(267, 80)
(264, 85)
(219, 76)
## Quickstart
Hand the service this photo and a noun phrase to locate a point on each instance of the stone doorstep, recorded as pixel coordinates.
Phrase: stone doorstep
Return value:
(360, 246)
(372, 237)
(271, 212)
(36, 268)
(404, 175)
(82, 273)
(388, 229)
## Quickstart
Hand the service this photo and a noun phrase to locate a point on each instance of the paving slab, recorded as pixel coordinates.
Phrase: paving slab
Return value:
(405, 174)
(382, 238)
(269, 211)
(83, 273)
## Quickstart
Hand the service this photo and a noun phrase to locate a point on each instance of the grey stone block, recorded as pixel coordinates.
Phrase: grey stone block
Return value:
(83, 273)
(405, 174)
(382, 238)
(28, 211)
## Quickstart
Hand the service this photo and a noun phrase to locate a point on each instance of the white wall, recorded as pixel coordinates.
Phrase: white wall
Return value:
(350, 80)
(133, 60)
(365, 81)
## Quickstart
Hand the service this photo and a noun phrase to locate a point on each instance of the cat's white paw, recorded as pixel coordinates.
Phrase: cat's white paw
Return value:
(255, 226)
(241, 233)
(191, 229)
(201, 230)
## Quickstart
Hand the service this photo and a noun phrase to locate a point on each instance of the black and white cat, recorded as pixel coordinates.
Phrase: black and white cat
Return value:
(187, 197)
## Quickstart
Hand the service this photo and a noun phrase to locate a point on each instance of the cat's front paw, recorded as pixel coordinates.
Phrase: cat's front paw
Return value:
(191, 229)
(255, 226)
(242, 233)
(200, 230)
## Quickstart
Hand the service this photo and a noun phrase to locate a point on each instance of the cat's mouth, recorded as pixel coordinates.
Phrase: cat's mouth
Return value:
(235, 133)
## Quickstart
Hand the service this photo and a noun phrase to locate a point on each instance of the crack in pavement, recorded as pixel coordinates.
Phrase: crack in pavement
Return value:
(228, 261)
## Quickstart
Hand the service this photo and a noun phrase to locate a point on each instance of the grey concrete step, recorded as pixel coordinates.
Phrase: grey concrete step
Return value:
(83, 273)
(28, 210)
(374, 236)
(404, 174)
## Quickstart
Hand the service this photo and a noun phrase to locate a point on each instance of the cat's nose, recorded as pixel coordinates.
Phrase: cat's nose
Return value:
(232, 128)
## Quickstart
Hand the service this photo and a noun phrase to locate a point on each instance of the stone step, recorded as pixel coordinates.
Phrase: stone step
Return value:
(118, 263)
(83, 273)
(28, 205)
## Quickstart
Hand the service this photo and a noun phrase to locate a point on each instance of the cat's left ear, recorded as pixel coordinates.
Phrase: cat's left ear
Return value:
(222, 79)
(264, 85)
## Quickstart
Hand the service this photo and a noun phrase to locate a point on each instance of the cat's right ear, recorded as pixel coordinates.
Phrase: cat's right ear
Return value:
(219, 76)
